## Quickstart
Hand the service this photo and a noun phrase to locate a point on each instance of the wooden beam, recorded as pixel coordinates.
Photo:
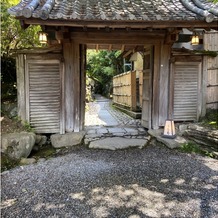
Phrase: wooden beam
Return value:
(54, 48)
(96, 47)
(127, 53)
(122, 24)
(122, 48)
(110, 47)
(118, 37)
(59, 35)
(23, 25)
(172, 35)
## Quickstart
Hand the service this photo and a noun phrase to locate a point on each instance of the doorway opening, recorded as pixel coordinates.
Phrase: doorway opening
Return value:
(114, 78)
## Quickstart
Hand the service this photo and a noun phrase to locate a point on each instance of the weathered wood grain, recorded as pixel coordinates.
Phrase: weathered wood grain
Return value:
(124, 89)
(69, 85)
(211, 63)
(156, 87)
(164, 84)
(21, 92)
(43, 95)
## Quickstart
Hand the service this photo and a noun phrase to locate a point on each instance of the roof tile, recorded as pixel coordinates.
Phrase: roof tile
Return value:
(155, 10)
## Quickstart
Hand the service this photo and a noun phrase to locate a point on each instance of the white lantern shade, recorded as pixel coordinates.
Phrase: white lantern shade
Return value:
(43, 38)
(195, 40)
(169, 129)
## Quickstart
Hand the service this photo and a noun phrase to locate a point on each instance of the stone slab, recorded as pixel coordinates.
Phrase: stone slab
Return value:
(67, 140)
(102, 131)
(116, 143)
(91, 131)
(170, 143)
(116, 130)
(93, 135)
(131, 130)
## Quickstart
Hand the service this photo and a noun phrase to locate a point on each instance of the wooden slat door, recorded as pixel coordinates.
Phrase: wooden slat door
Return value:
(43, 85)
(147, 88)
(186, 91)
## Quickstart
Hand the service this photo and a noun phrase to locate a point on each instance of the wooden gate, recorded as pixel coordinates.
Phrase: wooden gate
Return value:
(147, 88)
(44, 95)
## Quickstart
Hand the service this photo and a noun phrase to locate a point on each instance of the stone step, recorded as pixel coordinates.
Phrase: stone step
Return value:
(116, 143)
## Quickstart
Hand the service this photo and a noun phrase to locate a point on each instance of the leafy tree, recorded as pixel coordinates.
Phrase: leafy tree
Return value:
(101, 67)
(13, 37)
(12, 34)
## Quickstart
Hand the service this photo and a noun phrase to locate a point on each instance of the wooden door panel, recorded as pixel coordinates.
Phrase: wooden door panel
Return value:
(43, 85)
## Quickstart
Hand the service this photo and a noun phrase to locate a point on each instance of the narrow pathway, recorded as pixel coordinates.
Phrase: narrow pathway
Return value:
(102, 120)
(97, 113)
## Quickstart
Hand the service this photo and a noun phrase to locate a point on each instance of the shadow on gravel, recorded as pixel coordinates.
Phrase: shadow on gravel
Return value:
(152, 182)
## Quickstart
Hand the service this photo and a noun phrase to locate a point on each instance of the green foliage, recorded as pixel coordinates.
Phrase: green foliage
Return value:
(101, 67)
(8, 79)
(12, 34)
(204, 52)
(28, 127)
(211, 119)
(13, 37)
(7, 163)
(191, 147)
(44, 152)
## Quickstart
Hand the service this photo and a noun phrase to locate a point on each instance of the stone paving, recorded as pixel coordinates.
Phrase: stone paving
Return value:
(103, 121)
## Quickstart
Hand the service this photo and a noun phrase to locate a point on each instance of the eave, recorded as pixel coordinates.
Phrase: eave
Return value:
(121, 24)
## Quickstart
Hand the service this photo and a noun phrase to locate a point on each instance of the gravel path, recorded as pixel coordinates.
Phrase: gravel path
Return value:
(133, 183)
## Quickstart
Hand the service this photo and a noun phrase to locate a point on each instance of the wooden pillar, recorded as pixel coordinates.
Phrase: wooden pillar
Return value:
(21, 96)
(156, 88)
(69, 97)
(76, 86)
(133, 90)
(83, 84)
(164, 83)
(204, 86)
(171, 88)
(72, 87)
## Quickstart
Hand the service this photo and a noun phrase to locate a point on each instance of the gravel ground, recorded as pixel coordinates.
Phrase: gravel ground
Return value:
(133, 183)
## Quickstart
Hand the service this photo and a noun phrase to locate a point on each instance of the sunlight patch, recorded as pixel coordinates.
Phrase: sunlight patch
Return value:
(78, 196)
(8, 203)
(179, 181)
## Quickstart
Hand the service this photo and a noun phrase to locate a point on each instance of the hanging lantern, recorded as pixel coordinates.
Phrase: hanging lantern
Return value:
(169, 129)
(43, 37)
(195, 40)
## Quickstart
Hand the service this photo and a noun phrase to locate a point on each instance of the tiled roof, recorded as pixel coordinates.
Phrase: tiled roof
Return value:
(117, 10)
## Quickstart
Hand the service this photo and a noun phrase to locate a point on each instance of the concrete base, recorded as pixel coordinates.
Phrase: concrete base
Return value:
(116, 143)
(170, 143)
